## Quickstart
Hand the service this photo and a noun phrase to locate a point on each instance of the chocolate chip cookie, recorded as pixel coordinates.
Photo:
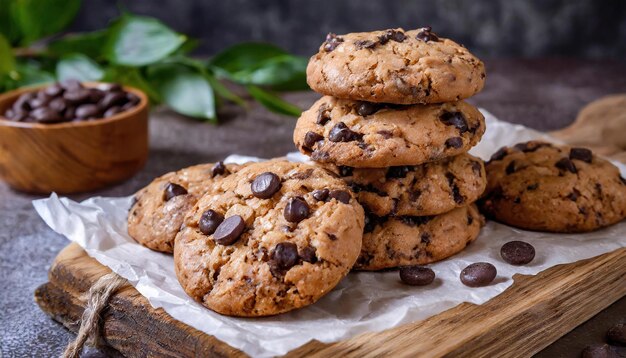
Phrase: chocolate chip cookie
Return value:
(418, 190)
(159, 209)
(395, 66)
(544, 187)
(271, 238)
(362, 134)
(416, 240)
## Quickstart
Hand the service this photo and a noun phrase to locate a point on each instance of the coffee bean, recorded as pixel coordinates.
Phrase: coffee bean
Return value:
(209, 221)
(71, 85)
(332, 41)
(341, 133)
(112, 111)
(228, 232)
(111, 87)
(308, 254)
(456, 119)
(76, 97)
(172, 190)
(218, 169)
(598, 351)
(417, 275)
(617, 334)
(95, 95)
(46, 115)
(87, 111)
(112, 99)
(58, 104)
(367, 108)
(38, 102)
(454, 142)
(284, 256)
(296, 210)
(478, 274)
(582, 154)
(321, 195)
(310, 138)
(341, 196)
(566, 164)
(265, 185)
(425, 34)
(132, 98)
(70, 114)
(517, 252)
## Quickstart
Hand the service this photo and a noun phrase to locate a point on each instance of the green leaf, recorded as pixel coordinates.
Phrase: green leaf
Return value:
(27, 75)
(8, 27)
(245, 56)
(273, 102)
(78, 67)
(184, 90)
(284, 72)
(40, 18)
(7, 61)
(89, 44)
(139, 41)
(224, 92)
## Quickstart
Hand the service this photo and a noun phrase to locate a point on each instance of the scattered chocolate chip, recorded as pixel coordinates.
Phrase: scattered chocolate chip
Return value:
(456, 119)
(454, 142)
(341, 133)
(510, 168)
(598, 351)
(367, 108)
(417, 275)
(566, 164)
(617, 334)
(284, 256)
(425, 34)
(321, 195)
(399, 172)
(218, 169)
(265, 185)
(361, 44)
(499, 155)
(172, 190)
(582, 154)
(310, 138)
(517, 252)
(341, 196)
(209, 221)
(478, 274)
(332, 41)
(296, 210)
(397, 36)
(308, 254)
(228, 232)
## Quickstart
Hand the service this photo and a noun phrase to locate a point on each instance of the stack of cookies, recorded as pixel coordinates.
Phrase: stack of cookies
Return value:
(394, 126)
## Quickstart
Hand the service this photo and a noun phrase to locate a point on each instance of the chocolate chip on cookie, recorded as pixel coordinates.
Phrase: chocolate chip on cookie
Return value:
(209, 221)
(425, 34)
(340, 195)
(332, 41)
(582, 154)
(566, 164)
(265, 185)
(310, 138)
(341, 133)
(284, 256)
(172, 190)
(455, 119)
(296, 210)
(454, 142)
(367, 108)
(218, 169)
(321, 194)
(228, 232)
(397, 36)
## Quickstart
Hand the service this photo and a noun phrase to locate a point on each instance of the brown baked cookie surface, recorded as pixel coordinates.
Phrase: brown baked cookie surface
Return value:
(417, 240)
(395, 66)
(421, 190)
(368, 135)
(160, 207)
(271, 238)
(545, 187)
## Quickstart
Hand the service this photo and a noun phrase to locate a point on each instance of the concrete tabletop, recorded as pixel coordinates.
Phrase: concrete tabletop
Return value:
(543, 94)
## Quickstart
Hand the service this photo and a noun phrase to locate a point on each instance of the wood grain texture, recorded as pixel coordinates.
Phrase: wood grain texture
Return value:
(72, 157)
(528, 316)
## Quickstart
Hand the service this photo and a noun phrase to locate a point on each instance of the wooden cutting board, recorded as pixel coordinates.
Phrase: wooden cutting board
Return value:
(532, 313)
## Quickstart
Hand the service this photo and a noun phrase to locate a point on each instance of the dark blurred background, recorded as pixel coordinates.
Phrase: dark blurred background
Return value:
(490, 28)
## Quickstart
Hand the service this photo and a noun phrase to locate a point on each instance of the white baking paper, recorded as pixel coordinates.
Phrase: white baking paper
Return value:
(362, 302)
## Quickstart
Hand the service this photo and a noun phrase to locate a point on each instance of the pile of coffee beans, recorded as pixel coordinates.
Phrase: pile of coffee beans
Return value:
(71, 101)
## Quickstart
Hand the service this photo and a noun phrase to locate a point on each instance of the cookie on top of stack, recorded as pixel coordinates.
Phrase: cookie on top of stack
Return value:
(394, 126)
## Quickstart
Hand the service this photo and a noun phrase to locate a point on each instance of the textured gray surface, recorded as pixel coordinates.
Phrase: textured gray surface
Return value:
(582, 28)
(541, 94)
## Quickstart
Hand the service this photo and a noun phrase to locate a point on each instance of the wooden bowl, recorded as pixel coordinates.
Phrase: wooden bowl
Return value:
(72, 157)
